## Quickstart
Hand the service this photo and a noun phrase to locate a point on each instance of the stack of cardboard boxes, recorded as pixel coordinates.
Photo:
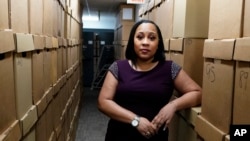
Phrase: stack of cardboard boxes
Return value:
(226, 67)
(210, 40)
(125, 20)
(40, 61)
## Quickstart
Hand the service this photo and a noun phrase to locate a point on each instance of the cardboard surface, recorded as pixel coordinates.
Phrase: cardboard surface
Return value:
(176, 44)
(208, 131)
(39, 42)
(47, 70)
(48, 17)
(23, 82)
(246, 23)
(19, 16)
(191, 18)
(241, 93)
(24, 42)
(188, 54)
(13, 133)
(242, 49)
(216, 73)
(7, 93)
(37, 75)
(225, 19)
(165, 9)
(4, 15)
(28, 120)
(219, 49)
(186, 132)
(7, 41)
(36, 17)
(190, 114)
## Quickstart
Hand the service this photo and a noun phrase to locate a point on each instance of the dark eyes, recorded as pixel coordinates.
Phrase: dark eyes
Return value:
(140, 37)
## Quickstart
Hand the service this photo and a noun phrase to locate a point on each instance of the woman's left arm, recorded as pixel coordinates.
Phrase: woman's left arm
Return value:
(189, 89)
(190, 96)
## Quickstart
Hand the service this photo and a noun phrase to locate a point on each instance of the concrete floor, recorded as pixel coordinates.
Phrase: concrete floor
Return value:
(92, 123)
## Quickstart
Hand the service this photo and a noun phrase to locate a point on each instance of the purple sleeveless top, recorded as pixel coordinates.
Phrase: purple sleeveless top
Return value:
(142, 92)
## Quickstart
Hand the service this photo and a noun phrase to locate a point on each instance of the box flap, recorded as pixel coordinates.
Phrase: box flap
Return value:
(7, 41)
(48, 42)
(219, 49)
(29, 119)
(24, 42)
(176, 44)
(55, 42)
(38, 42)
(207, 130)
(242, 49)
(166, 44)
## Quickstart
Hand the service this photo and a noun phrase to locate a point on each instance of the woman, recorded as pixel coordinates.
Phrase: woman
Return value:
(136, 91)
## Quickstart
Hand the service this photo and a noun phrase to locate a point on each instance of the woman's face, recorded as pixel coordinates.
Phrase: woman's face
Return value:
(146, 41)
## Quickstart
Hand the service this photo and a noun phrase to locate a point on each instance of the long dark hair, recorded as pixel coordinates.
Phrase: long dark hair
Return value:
(130, 52)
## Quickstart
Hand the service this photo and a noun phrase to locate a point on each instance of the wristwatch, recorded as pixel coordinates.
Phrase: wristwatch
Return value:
(135, 121)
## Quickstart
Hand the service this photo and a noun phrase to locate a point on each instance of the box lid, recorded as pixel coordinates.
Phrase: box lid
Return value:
(48, 42)
(242, 49)
(39, 41)
(24, 42)
(7, 41)
(176, 44)
(219, 49)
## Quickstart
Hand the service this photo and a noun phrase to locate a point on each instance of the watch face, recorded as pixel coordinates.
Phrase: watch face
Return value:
(135, 123)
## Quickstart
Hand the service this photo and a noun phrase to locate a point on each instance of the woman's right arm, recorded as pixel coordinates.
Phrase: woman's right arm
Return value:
(106, 103)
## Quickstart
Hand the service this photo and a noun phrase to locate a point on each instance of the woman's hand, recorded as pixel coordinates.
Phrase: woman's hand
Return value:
(164, 116)
(146, 128)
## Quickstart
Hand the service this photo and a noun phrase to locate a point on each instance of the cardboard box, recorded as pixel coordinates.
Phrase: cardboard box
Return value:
(188, 54)
(40, 128)
(218, 83)
(13, 133)
(47, 69)
(24, 42)
(152, 14)
(31, 136)
(7, 93)
(23, 82)
(48, 17)
(19, 16)
(208, 131)
(225, 19)
(165, 9)
(48, 42)
(166, 44)
(37, 75)
(246, 23)
(36, 17)
(53, 70)
(190, 114)
(59, 62)
(242, 82)
(7, 41)
(4, 14)
(191, 18)
(242, 49)
(39, 42)
(28, 120)
(186, 131)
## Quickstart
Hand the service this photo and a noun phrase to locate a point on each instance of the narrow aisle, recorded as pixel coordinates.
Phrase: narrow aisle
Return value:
(92, 123)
